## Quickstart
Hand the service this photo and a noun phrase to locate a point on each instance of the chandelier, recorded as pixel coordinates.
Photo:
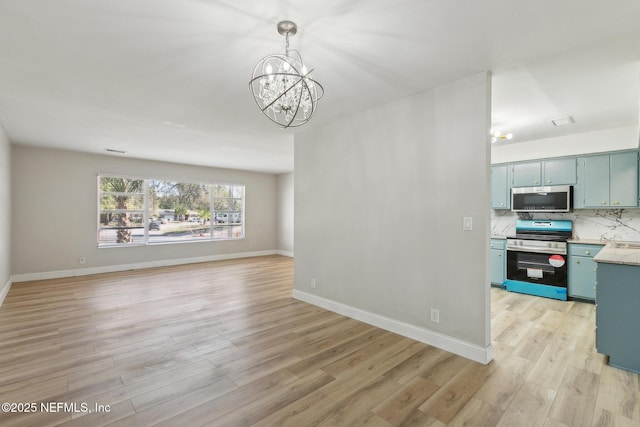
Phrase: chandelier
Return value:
(282, 86)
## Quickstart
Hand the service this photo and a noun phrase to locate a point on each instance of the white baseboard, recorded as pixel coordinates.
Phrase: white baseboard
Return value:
(462, 348)
(134, 266)
(5, 289)
(285, 253)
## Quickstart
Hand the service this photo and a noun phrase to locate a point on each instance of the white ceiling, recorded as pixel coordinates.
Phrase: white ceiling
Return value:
(167, 79)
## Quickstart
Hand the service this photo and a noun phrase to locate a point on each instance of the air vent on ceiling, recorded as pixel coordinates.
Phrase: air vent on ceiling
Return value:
(113, 150)
(561, 121)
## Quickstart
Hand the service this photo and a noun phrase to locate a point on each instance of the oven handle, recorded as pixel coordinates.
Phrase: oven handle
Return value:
(539, 250)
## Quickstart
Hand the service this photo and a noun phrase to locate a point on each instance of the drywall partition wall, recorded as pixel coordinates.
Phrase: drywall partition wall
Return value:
(5, 214)
(285, 214)
(380, 199)
(55, 214)
(620, 138)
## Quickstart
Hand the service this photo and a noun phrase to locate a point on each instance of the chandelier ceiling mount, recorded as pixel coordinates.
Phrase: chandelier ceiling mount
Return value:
(287, 28)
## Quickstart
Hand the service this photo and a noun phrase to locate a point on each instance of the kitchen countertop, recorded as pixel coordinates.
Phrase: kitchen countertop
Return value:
(611, 254)
(589, 241)
(608, 254)
(583, 241)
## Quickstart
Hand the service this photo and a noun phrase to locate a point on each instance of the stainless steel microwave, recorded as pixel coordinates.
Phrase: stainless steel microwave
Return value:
(552, 198)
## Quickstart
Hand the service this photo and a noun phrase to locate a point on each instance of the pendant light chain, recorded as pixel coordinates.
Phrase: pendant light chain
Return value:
(286, 49)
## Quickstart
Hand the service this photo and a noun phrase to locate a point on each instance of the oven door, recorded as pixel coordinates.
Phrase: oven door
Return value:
(540, 268)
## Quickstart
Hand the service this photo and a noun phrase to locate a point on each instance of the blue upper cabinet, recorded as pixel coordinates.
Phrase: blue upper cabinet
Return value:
(610, 180)
(623, 180)
(545, 172)
(559, 171)
(500, 187)
(527, 174)
(606, 181)
(596, 181)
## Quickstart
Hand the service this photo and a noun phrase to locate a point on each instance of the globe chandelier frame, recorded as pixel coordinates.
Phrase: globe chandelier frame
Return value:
(282, 87)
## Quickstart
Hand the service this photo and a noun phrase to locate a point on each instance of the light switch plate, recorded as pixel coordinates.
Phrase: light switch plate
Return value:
(467, 223)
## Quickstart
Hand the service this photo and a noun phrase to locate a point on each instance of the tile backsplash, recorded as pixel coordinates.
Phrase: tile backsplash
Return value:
(591, 224)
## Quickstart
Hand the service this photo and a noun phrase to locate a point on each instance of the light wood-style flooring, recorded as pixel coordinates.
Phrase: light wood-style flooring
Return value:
(224, 344)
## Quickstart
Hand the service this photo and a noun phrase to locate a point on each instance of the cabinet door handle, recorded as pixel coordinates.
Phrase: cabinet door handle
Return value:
(587, 252)
(548, 181)
(499, 254)
(603, 202)
(616, 202)
(535, 181)
(577, 261)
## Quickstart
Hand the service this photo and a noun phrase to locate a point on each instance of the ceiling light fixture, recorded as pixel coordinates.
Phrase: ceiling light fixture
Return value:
(497, 135)
(282, 86)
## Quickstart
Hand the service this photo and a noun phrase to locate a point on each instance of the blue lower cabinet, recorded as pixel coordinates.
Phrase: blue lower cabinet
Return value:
(498, 262)
(618, 315)
(582, 271)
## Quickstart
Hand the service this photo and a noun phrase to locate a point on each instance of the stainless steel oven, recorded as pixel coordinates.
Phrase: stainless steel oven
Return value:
(537, 258)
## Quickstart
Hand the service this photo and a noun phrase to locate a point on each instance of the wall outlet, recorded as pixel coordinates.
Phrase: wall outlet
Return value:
(314, 283)
(435, 315)
(83, 260)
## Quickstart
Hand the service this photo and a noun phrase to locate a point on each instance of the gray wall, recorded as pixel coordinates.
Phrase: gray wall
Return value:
(285, 214)
(5, 212)
(379, 204)
(55, 211)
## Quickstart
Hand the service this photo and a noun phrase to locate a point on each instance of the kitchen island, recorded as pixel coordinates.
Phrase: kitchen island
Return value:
(618, 304)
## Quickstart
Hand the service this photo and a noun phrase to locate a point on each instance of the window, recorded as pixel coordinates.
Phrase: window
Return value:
(227, 211)
(178, 211)
(172, 211)
(121, 210)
